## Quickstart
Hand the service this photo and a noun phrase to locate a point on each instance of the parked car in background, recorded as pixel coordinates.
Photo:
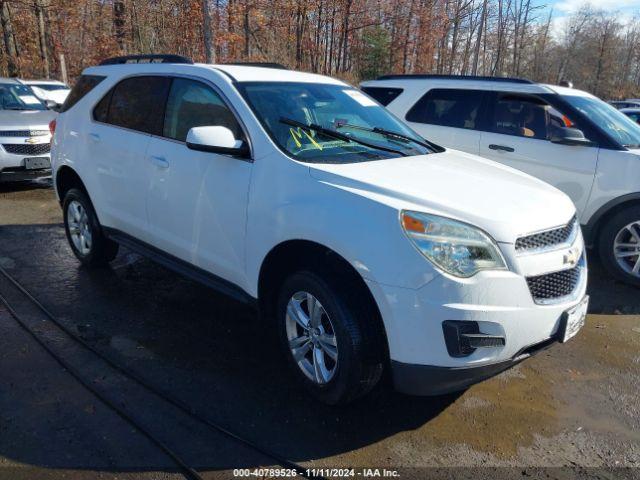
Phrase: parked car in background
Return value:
(25, 138)
(563, 136)
(632, 113)
(620, 104)
(365, 247)
(49, 90)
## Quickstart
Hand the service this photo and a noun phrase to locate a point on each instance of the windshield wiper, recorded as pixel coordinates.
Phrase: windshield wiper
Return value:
(388, 133)
(340, 136)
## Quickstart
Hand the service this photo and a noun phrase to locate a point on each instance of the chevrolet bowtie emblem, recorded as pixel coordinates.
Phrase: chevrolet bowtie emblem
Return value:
(571, 257)
(31, 140)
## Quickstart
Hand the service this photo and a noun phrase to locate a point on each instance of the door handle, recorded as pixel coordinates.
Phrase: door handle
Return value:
(502, 148)
(159, 162)
(95, 137)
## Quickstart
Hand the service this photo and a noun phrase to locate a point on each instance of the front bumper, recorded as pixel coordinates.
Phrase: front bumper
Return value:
(431, 380)
(500, 303)
(12, 167)
(22, 174)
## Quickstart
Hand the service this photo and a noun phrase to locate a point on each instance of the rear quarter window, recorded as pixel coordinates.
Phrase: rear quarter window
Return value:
(84, 85)
(383, 95)
(449, 108)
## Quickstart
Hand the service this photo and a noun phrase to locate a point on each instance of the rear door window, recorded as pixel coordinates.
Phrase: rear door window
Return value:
(383, 95)
(136, 103)
(84, 85)
(449, 108)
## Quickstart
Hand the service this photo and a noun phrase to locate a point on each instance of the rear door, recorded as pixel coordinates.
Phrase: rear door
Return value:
(520, 127)
(197, 201)
(449, 117)
(124, 120)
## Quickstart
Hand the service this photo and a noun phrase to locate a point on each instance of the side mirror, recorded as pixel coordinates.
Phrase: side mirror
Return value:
(51, 105)
(216, 140)
(569, 136)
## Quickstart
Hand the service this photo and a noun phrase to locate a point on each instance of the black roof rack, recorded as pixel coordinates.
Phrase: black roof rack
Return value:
(151, 58)
(419, 76)
(259, 64)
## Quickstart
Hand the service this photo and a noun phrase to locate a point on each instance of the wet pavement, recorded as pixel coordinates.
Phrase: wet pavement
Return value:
(574, 405)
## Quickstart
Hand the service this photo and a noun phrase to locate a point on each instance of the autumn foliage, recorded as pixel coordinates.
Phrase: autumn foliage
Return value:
(351, 39)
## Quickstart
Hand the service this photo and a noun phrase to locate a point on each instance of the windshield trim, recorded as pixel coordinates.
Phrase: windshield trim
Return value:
(240, 88)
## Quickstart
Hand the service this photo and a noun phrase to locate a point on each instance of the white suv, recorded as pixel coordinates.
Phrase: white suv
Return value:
(368, 249)
(566, 137)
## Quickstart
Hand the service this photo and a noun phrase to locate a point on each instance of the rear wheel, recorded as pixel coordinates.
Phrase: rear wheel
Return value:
(327, 339)
(619, 246)
(84, 232)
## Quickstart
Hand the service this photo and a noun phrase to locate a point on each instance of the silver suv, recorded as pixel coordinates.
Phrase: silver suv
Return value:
(25, 136)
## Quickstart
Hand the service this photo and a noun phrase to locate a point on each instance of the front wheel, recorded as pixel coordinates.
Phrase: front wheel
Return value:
(84, 232)
(619, 245)
(327, 339)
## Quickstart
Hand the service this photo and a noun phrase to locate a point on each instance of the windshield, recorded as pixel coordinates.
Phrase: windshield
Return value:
(341, 121)
(18, 97)
(619, 127)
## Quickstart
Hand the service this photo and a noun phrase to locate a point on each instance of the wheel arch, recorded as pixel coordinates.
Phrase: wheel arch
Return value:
(593, 228)
(66, 179)
(291, 255)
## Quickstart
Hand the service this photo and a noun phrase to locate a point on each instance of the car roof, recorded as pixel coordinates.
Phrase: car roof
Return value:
(236, 73)
(472, 82)
(43, 82)
(249, 73)
(630, 110)
(12, 81)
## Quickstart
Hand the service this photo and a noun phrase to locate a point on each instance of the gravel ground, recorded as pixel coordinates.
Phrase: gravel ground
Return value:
(571, 411)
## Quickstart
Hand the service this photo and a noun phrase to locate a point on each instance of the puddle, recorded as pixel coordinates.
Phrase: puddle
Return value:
(6, 262)
(130, 348)
(501, 414)
(585, 383)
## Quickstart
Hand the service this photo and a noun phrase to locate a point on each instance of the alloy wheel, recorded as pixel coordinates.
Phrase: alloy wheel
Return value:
(79, 228)
(311, 337)
(626, 248)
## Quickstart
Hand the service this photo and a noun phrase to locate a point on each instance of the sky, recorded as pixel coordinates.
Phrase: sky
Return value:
(624, 9)
(562, 7)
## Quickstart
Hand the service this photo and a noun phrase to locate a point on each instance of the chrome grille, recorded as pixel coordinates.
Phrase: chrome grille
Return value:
(27, 148)
(547, 239)
(23, 133)
(553, 286)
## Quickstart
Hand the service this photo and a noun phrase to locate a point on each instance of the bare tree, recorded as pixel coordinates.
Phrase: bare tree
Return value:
(207, 27)
(38, 7)
(10, 47)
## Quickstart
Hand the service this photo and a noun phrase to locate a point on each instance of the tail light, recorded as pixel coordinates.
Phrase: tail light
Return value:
(52, 127)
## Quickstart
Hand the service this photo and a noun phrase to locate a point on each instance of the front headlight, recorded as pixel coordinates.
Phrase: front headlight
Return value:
(455, 247)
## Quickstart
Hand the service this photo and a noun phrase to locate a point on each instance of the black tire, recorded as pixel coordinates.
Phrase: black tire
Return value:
(102, 250)
(360, 352)
(608, 234)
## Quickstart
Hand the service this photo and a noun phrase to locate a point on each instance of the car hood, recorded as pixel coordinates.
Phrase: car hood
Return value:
(504, 202)
(26, 119)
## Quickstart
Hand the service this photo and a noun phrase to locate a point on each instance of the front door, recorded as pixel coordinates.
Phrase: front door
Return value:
(521, 128)
(197, 201)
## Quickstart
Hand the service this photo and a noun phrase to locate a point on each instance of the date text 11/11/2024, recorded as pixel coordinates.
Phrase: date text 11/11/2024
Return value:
(317, 472)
